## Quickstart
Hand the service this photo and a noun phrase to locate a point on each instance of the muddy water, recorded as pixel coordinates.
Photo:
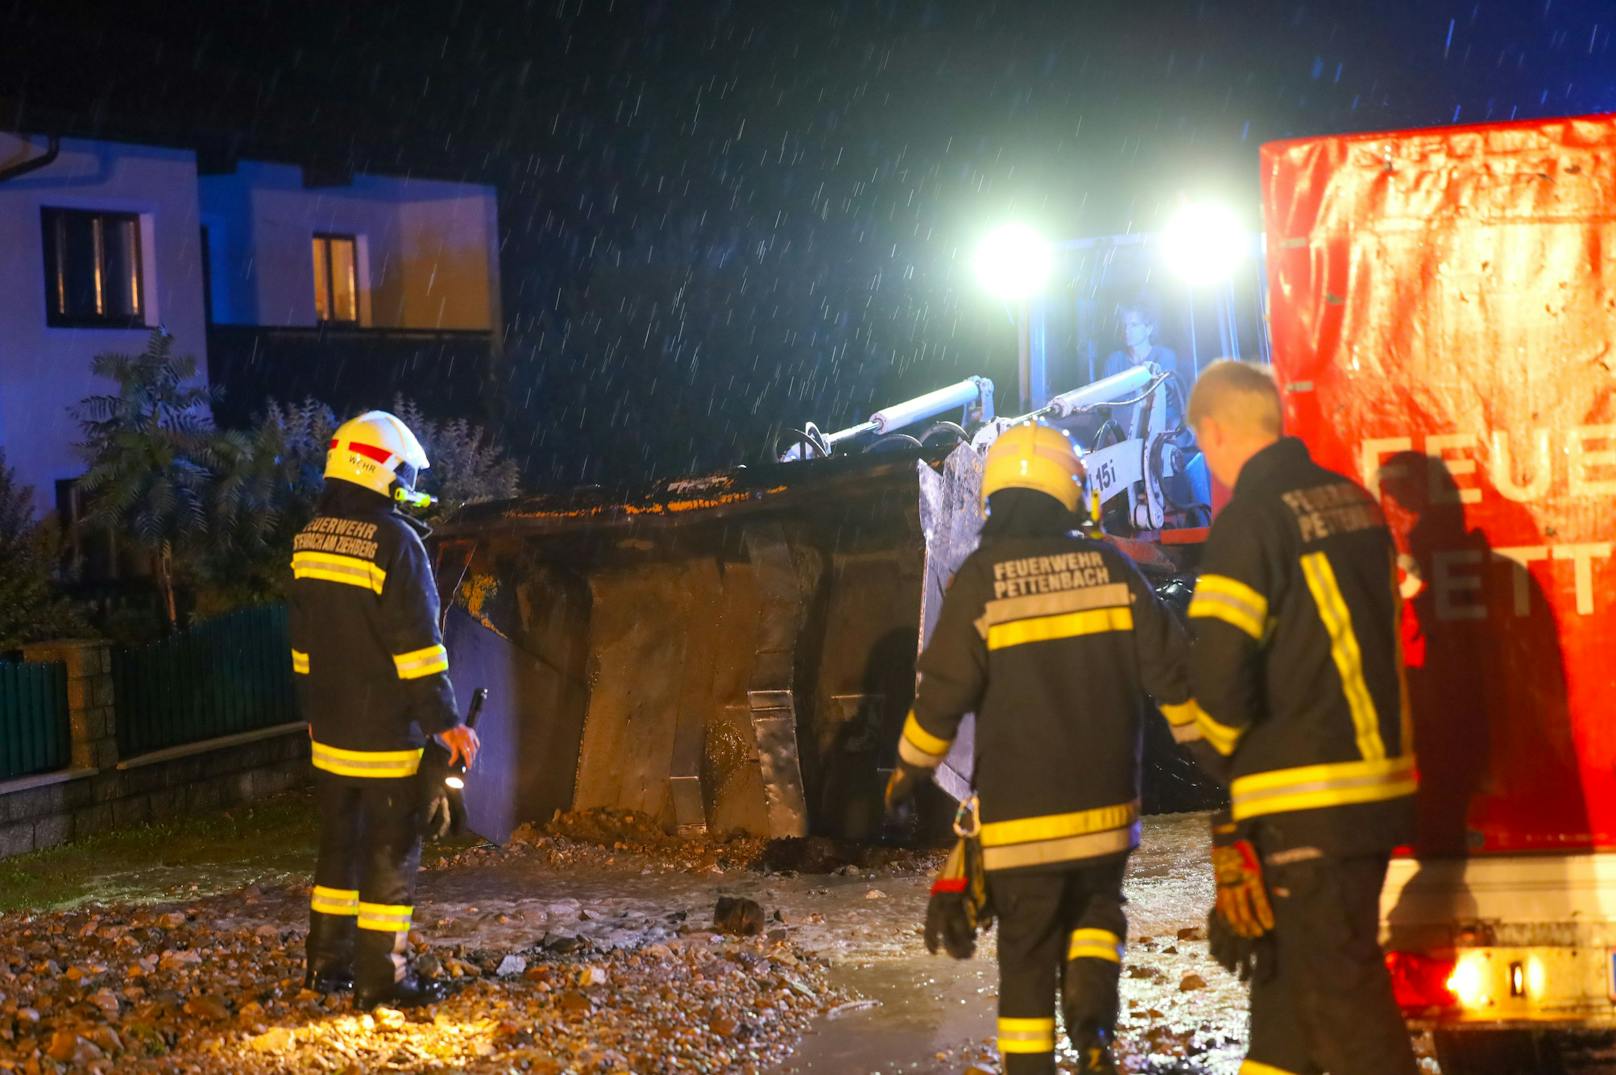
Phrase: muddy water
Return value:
(935, 1014)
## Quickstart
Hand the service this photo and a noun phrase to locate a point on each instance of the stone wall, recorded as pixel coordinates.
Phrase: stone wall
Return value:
(101, 791)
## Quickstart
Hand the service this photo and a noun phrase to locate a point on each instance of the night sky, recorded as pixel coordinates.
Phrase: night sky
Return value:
(720, 217)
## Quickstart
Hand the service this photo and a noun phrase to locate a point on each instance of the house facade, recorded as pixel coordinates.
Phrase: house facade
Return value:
(281, 285)
(97, 247)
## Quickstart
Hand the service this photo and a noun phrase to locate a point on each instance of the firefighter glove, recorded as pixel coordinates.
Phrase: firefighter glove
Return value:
(444, 807)
(1251, 959)
(902, 785)
(959, 905)
(948, 925)
(1242, 899)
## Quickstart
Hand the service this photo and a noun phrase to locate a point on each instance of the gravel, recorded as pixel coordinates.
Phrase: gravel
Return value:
(204, 988)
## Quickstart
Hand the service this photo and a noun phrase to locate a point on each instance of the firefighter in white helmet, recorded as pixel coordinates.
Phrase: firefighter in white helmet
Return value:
(1053, 641)
(371, 668)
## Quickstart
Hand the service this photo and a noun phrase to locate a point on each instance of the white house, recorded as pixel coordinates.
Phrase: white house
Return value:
(376, 252)
(278, 286)
(96, 248)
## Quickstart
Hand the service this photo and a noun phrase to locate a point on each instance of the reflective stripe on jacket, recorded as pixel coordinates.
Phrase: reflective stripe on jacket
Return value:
(1296, 665)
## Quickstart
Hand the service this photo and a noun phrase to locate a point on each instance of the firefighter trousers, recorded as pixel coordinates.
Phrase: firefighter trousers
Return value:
(1329, 1005)
(364, 879)
(1061, 929)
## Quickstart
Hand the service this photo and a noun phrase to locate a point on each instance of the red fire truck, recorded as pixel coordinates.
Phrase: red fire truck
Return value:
(1443, 325)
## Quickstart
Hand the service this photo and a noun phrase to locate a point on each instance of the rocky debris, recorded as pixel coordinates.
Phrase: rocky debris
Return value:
(207, 990)
(738, 916)
(275, 1040)
(606, 837)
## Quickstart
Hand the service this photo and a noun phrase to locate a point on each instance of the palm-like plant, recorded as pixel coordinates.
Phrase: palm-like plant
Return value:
(150, 451)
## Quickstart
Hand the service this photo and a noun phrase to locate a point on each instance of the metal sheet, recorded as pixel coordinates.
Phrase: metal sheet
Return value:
(776, 730)
(785, 583)
(951, 520)
(1442, 307)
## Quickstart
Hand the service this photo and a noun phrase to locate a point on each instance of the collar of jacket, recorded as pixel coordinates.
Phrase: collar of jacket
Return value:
(1261, 468)
(345, 498)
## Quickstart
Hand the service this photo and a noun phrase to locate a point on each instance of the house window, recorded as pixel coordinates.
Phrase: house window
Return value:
(92, 269)
(336, 287)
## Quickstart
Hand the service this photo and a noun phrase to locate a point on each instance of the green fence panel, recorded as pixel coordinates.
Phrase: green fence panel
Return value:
(226, 675)
(34, 734)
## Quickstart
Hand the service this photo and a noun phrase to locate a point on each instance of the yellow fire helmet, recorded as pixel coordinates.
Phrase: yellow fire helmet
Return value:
(1037, 456)
(378, 452)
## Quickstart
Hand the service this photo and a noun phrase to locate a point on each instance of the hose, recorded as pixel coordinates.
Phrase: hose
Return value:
(812, 439)
(1142, 396)
(1114, 428)
(887, 442)
(946, 427)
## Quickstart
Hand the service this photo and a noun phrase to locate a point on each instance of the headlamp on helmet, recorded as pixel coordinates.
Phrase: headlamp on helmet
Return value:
(378, 452)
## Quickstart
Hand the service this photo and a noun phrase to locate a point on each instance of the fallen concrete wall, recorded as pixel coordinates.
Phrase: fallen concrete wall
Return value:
(741, 665)
(733, 653)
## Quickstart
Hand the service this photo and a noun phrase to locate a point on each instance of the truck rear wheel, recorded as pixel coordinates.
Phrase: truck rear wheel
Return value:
(1498, 1052)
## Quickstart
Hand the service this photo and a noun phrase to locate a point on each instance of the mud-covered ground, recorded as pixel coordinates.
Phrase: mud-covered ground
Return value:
(591, 948)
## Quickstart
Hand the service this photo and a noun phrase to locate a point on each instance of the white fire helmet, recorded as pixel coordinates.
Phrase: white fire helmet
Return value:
(378, 452)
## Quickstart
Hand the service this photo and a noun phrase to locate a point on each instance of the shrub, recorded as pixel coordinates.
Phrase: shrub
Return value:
(466, 469)
(31, 609)
(215, 510)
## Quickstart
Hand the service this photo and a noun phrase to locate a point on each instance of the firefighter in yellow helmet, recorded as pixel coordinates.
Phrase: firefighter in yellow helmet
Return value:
(1053, 640)
(371, 669)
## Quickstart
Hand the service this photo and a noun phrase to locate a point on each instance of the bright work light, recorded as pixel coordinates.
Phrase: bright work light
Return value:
(1203, 241)
(1468, 981)
(1014, 262)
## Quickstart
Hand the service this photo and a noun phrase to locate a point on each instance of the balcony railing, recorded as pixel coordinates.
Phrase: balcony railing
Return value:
(449, 374)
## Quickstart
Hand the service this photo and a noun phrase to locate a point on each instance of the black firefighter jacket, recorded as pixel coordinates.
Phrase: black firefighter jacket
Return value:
(367, 656)
(1052, 643)
(1296, 667)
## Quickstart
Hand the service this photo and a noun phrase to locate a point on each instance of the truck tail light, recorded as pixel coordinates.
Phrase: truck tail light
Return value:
(1420, 981)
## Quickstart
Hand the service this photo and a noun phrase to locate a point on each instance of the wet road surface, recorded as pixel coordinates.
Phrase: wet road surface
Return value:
(930, 1014)
(916, 1014)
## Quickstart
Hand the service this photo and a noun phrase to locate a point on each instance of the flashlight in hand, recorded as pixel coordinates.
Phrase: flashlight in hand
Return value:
(456, 777)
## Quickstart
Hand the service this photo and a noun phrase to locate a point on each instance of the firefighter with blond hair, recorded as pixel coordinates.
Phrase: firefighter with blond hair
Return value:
(1299, 700)
(373, 682)
(1053, 641)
